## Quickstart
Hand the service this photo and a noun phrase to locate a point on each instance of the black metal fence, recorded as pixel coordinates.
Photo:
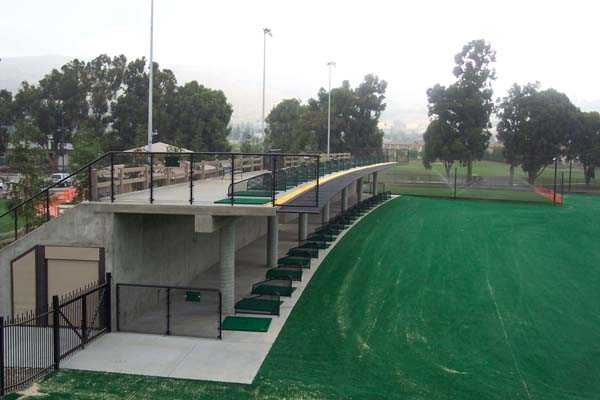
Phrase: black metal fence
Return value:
(142, 177)
(169, 310)
(33, 344)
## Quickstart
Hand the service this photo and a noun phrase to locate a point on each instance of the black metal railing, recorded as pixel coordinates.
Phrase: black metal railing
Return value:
(169, 310)
(141, 177)
(33, 344)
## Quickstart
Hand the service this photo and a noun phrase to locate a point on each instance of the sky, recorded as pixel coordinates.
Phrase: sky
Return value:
(409, 44)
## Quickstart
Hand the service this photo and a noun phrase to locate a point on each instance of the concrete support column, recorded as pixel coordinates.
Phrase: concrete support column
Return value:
(325, 214)
(227, 266)
(375, 182)
(345, 199)
(302, 227)
(359, 189)
(272, 241)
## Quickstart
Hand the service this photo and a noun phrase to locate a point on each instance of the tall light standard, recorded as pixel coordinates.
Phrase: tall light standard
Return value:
(266, 31)
(330, 64)
(151, 76)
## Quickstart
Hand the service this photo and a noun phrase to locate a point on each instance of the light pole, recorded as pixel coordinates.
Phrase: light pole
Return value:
(151, 76)
(266, 31)
(329, 64)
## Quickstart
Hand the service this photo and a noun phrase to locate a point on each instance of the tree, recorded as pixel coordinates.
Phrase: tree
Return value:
(585, 145)
(441, 144)
(286, 131)
(535, 127)
(200, 118)
(461, 112)
(355, 117)
(31, 160)
(6, 117)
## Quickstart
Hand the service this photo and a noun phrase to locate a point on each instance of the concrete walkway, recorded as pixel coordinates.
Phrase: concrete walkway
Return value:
(235, 359)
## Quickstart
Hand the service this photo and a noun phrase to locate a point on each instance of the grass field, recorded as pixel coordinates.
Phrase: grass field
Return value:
(485, 168)
(427, 299)
(6, 222)
(414, 179)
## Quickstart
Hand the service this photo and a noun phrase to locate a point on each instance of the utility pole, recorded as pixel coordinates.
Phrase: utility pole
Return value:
(151, 76)
(329, 64)
(266, 31)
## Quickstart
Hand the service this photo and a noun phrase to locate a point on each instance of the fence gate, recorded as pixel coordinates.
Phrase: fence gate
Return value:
(33, 344)
(169, 310)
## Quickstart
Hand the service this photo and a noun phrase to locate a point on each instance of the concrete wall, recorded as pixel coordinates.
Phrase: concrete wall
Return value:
(164, 249)
(79, 226)
(151, 249)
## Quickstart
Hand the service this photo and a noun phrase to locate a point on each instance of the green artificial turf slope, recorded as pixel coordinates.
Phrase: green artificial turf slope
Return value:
(428, 299)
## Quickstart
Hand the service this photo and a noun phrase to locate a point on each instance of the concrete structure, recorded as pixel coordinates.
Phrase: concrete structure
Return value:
(302, 227)
(375, 182)
(227, 266)
(272, 241)
(345, 198)
(172, 242)
(325, 213)
(235, 359)
(359, 189)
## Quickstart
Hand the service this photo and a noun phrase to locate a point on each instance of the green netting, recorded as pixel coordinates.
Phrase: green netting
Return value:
(427, 299)
(245, 200)
(246, 324)
(266, 306)
(284, 291)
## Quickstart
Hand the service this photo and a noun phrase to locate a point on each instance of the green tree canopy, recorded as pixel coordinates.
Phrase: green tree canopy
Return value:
(460, 113)
(286, 130)
(535, 127)
(355, 114)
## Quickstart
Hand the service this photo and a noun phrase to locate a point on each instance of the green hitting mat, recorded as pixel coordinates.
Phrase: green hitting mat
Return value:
(246, 324)
(245, 201)
(253, 193)
(257, 305)
(284, 291)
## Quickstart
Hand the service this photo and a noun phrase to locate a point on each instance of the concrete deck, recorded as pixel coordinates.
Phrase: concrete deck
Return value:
(174, 199)
(205, 192)
(236, 358)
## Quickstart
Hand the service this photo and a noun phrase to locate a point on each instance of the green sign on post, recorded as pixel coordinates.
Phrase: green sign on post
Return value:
(193, 297)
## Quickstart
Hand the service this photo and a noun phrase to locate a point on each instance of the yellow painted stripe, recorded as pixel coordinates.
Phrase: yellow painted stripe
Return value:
(310, 185)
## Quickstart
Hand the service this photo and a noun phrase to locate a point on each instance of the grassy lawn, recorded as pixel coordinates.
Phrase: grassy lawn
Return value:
(6, 222)
(413, 178)
(483, 168)
(427, 299)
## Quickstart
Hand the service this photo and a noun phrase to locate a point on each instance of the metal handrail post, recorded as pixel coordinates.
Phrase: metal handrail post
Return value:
(191, 178)
(232, 179)
(151, 177)
(108, 301)
(317, 190)
(90, 183)
(47, 205)
(56, 331)
(273, 177)
(168, 311)
(112, 177)
(2, 382)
